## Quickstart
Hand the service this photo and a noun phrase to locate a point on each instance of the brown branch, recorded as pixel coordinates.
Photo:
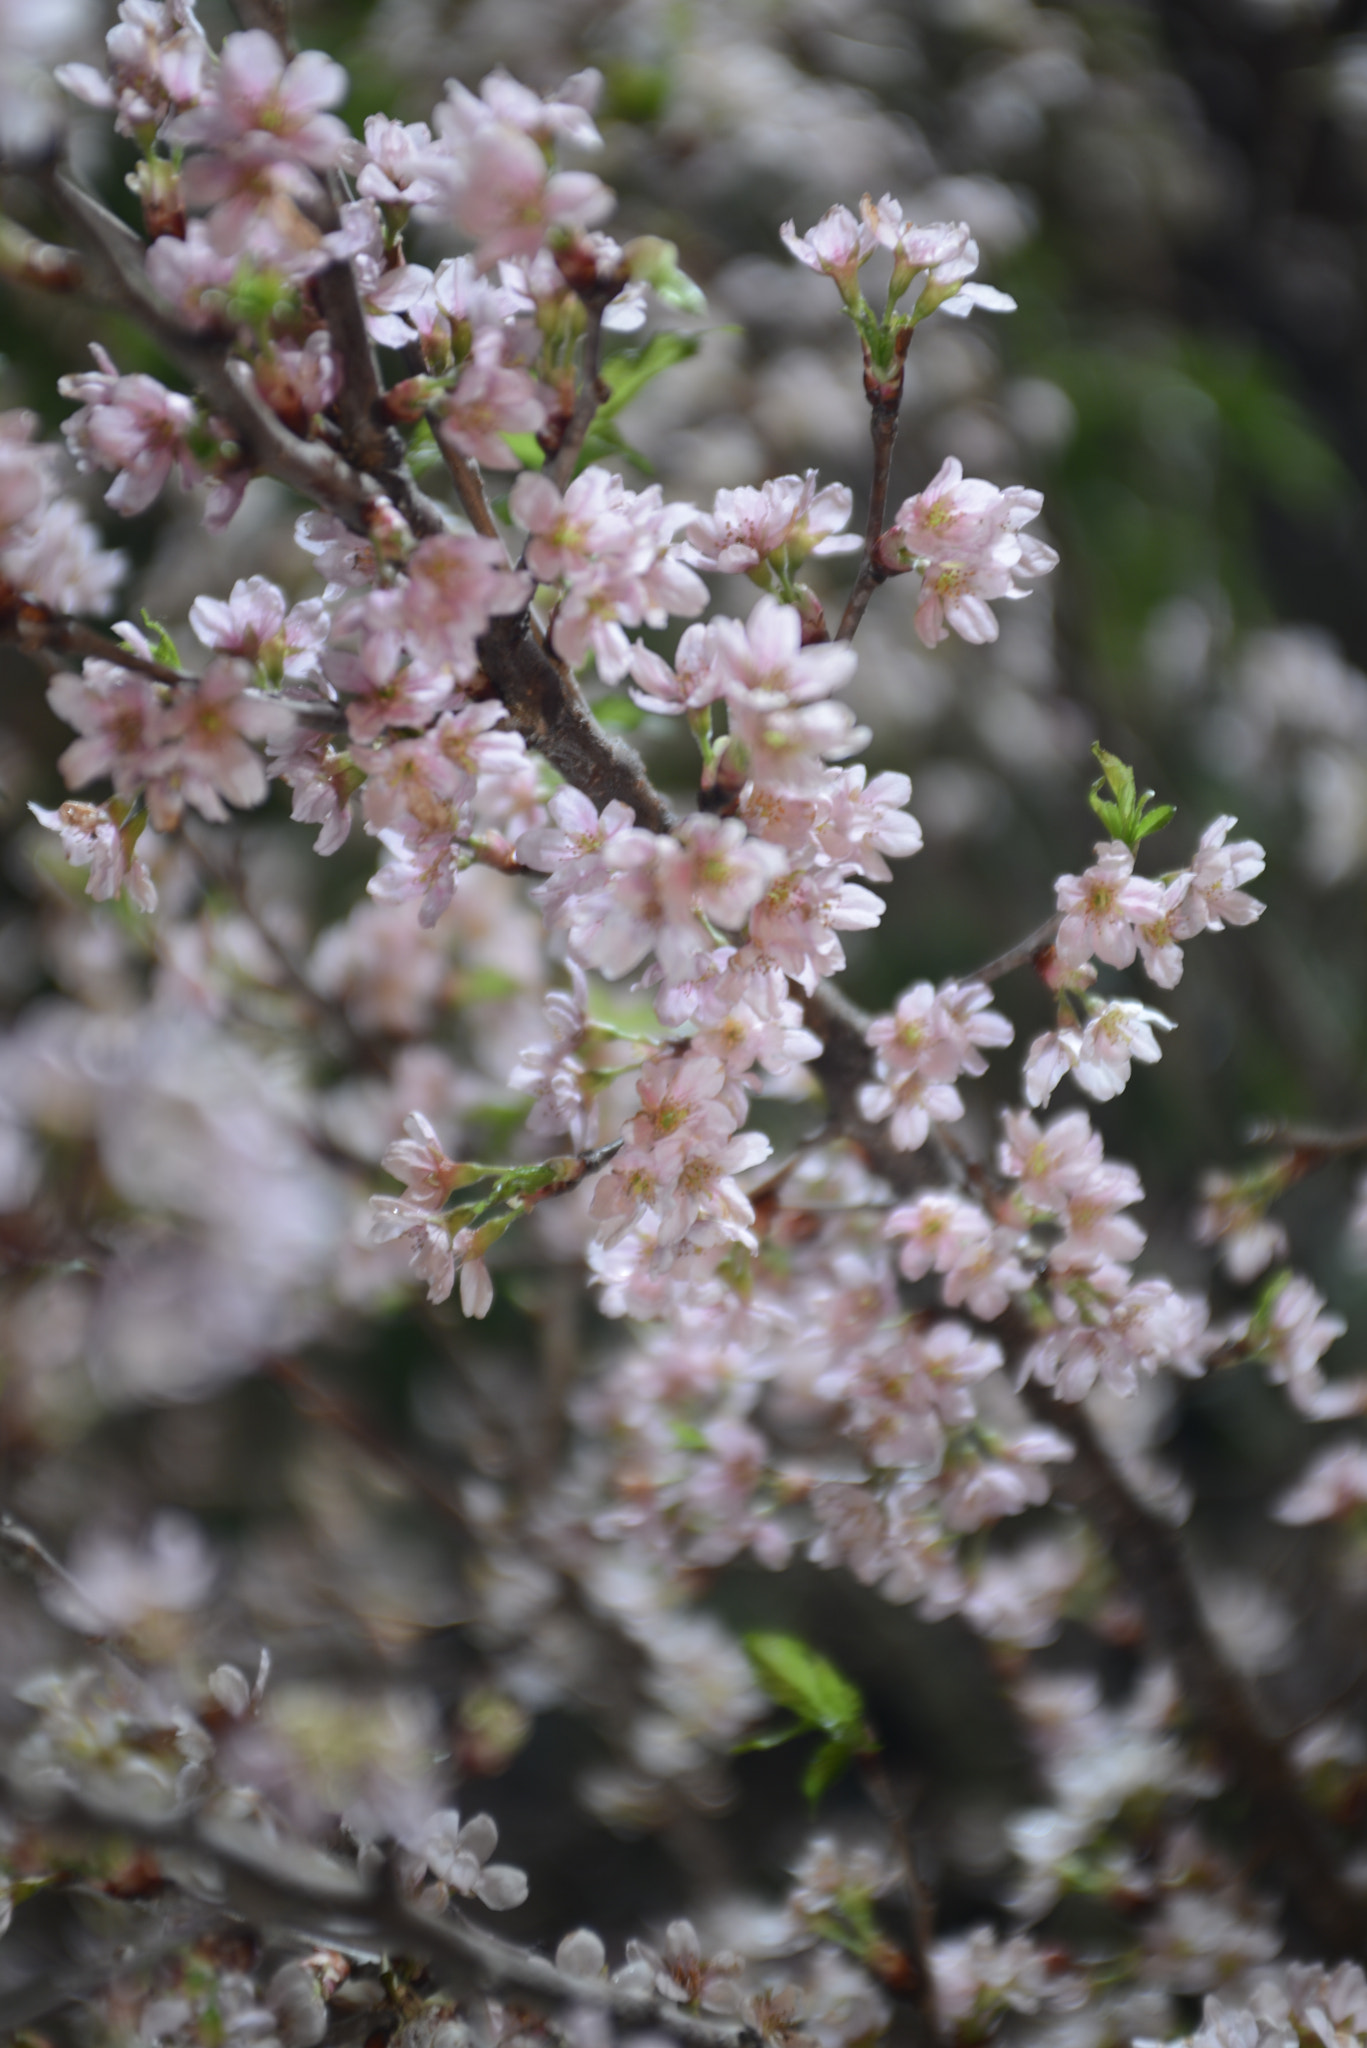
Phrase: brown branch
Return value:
(1287, 1837)
(43, 266)
(467, 480)
(266, 1881)
(885, 403)
(37, 629)
(914, 1979)
(560, 469)
(546, 706)
(1021, 955)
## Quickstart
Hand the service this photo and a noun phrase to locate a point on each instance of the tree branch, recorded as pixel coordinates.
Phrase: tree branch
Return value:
(885, 403)
(560, 469)
(1021, 955)
(1286, 1834)
(321, 1897)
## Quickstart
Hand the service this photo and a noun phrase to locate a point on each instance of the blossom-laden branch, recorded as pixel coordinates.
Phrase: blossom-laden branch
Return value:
(325, 1900)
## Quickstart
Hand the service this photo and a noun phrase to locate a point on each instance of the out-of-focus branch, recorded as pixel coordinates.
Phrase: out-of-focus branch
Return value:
(914, 1980)
(44, 266)
(560, 469)
(268, 1883)
(466, 478)
(38, 629)
(1021, 955)
(349, 1043)
(1286, 1836)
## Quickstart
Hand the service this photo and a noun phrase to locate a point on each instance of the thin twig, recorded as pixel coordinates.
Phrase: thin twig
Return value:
(467, 480)
(1020, 955)
(916, 1984)
(322, 1897)
(885, 404)
(354, 1045)
(560, 469)
(1287, 1837)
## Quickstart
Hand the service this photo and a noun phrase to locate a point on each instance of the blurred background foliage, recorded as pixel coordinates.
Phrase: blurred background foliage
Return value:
(1176, 194)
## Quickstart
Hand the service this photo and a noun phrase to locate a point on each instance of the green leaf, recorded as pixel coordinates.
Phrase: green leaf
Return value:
(830, 1762)
(771, 1738)
(1154, 820)
(798, 1677)
(164, 648)
(629, 371)
(1129, 817)
(527, 449)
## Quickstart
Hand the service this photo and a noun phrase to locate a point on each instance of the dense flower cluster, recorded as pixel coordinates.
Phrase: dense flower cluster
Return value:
(847, 1325)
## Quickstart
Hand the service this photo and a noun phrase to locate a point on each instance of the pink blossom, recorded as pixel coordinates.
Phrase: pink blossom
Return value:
(610, 549)
(1057, 1162)
(956, 1238)
(965, 536)
(860, 822)
(1291, 1339)
(490, 401)
(564, 1092)
(1215, 896)
(787, 517)
(208, 726)
(193, 274)
(456, 583)
(1103, 906)
(1099, 1055)
(92, 839)
(123, 722)
(572, 849)
(422, 865)
(564, 115)
(506, 197)
(323, 780)
(262, 107)
(58, 559)
(158, 61)
(838, 247)
(931, 1038)
(794, 924)
(1158, 947)
(420, 1162)
(1332, 1487)
(254, 623)
(300, 383)
(914, 248)
(130, 424)
(396, 170)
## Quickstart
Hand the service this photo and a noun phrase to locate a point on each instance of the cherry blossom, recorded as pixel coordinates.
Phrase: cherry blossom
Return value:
(132, 425)
(92, 839)
(1103, 908)
(838, 246)
(262, 108)
(1215, 896)
(786, 517)
(255, 623)
(966, 537)
(931, 1038)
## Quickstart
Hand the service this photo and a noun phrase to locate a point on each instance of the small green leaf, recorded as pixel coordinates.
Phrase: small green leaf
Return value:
(629, 371)
(1154, 820)
(1128, 817)
(798, 1677)
(164, 648)
(830, 1762)
(527, 449)
(771, 1738)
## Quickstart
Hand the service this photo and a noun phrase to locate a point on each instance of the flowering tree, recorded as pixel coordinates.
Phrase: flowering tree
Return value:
(865, 1292)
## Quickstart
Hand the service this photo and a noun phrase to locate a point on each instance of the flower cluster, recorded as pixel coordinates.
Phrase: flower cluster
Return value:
(967, 539)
